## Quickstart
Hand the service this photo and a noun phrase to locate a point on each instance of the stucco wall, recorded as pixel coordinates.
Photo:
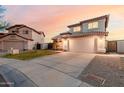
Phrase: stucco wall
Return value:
(101, 44)
(37, 38)
(20, 32)
(12, 29)
(30, 45)
(29, 35)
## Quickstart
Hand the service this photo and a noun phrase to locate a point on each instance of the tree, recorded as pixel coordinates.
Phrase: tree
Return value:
(3, 24)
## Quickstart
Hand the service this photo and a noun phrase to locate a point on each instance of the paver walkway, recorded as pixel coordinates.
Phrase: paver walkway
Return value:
(58, 70)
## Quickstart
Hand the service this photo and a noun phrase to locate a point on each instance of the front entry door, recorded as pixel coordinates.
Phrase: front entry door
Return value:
(112, 46)
(38, 46)
(66, 45)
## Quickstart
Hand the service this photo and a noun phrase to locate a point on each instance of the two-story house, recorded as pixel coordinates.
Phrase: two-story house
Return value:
(21, 37)
(85, 36)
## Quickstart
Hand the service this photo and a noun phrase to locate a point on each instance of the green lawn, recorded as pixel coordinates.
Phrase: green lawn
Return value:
(30, 54)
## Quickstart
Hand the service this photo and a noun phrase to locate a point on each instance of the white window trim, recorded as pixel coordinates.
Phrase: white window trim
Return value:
(77, 27)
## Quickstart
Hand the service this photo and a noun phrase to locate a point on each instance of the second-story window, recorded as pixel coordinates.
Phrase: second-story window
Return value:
(25, 32)
(92, 25)
(13, 31)
(77, 29)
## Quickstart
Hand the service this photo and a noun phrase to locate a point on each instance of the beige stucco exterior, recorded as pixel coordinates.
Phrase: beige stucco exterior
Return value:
(36, 39)
(17, 39)
(87, 38)
(20, 31)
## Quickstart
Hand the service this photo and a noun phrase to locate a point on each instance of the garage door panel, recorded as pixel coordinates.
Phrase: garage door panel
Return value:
(82, 44)
(13, 44)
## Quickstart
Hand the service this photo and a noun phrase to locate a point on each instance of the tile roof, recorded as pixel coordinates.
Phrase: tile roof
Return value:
(83, 34)
(16, 35)
(65, 33)
(92, 19)
(80, 34)
(22, 25)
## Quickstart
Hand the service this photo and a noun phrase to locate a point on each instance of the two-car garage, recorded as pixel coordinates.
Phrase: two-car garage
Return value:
(81, 44)
(14, 44)
(89, 44)
(93, 44)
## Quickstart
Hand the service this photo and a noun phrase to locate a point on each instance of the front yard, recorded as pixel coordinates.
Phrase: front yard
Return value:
(30, 54)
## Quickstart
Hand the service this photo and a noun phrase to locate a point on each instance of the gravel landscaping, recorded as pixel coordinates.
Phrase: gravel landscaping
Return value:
(104, 71)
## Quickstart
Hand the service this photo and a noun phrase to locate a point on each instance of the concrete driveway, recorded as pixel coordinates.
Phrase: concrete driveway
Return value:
(58, 70)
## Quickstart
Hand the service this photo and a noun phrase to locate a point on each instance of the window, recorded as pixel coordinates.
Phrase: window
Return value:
(25, 32)
(13, 31)
(90, 25)
(93, 25)
(77, 29)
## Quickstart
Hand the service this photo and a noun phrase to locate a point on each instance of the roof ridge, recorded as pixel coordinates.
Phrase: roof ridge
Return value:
(90, 19)
(22, 25)
(17, 35)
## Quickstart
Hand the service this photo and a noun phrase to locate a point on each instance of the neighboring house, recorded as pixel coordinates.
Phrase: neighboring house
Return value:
(2, 34)
(21, 37)
(85, 36)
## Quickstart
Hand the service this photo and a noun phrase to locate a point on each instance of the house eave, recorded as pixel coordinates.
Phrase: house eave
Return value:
(90, 34)
(92, 19)
(16, 35)
(83, 34)
(74, 25)
(22, 25)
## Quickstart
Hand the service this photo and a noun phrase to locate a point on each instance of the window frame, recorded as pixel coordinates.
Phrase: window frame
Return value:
(93, 25)
(77, 27)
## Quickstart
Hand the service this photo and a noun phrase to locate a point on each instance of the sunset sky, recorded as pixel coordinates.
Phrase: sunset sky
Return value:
(53, 20)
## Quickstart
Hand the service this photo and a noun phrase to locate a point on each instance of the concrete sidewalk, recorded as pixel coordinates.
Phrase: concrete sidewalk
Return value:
(59, 70)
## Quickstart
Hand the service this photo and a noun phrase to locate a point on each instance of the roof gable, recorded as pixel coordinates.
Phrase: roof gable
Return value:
(19, 26)
(16, 35)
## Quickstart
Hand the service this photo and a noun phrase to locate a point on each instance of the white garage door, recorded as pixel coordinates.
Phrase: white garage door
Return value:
(13, 44)
(85, 44)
